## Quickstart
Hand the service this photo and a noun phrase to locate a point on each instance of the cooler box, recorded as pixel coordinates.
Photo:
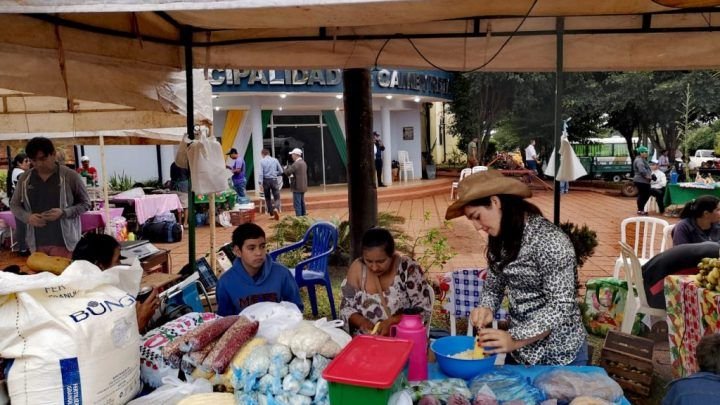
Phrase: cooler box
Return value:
(368, 371)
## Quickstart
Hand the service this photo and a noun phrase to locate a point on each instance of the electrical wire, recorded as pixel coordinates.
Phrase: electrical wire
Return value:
(525, 17)
(380, 52)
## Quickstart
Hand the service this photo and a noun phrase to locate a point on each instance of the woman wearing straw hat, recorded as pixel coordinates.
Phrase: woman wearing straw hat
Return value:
(643, 176)
(531, 260)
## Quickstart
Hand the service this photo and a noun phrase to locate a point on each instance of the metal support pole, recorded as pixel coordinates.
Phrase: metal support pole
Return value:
(559, 89)
(362, 192)
(158, 159)
(187, 41)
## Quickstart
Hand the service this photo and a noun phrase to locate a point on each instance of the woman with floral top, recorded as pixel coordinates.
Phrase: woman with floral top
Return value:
(533, 262)
(380, 285)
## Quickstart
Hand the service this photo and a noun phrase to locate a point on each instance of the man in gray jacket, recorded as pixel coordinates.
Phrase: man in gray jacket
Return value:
(299, 185)
(50, 198)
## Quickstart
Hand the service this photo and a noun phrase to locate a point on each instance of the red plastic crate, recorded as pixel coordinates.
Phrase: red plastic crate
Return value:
(241, 217)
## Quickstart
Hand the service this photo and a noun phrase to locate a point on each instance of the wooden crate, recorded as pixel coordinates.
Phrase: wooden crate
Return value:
(628, 360)
(241, 217)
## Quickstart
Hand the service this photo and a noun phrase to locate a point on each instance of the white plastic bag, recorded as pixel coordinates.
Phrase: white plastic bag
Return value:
(173, 391)
(335, 330)
(73, 338)
(207, 166)
(274, 318)
(181, 157)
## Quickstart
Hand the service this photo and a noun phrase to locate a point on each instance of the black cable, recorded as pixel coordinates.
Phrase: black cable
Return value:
(379, 52)
(525, 17)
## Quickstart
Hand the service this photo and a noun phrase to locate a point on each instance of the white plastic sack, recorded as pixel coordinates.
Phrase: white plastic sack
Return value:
(335, 330)
(315, 337)
(173, 391)
(73, 338)
(136, 192)
(651, 205)
(207, 166)
(181, 157)
(274, 318)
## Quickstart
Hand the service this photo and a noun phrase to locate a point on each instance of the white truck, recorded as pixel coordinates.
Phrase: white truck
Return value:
(701, 156)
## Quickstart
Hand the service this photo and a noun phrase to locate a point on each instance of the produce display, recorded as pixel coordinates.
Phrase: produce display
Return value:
(709, 274)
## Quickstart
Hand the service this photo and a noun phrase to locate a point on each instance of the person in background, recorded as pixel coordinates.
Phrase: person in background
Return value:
(237, 167)
(180, 184)
(88, 172)
(643, 176)
(702, 387)
(531, 157)
(531, 261)
(380, 284)
(658, 181)
(104, 252)
(472, 153)
(19, 165)
(254, 277)
(378, 149)
(700, 221)
(49, 198)
(271, 169)
(664, 161)
(299, 183)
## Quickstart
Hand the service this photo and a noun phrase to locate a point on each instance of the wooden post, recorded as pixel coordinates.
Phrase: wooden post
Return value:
(362, 192)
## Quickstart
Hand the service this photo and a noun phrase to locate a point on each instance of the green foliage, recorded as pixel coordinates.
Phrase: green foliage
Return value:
(456, 159)
(430, 248)
(121, 182)
(3, 180)
(290, 229)
(584, 240)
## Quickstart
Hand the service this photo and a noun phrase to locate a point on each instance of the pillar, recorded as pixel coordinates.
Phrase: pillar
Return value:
(387, 141)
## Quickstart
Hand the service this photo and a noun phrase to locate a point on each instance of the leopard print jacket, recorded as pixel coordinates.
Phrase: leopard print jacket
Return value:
(540, 285)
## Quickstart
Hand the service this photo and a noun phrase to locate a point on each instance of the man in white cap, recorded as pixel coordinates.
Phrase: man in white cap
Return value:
(87, 172)
(299, 183)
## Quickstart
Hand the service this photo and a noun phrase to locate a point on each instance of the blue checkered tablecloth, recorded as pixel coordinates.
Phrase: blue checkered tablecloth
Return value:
(467, 288)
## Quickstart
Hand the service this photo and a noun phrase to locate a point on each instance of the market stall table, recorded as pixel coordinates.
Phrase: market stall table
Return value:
(148, 206)
(89, 220)
(692, 312)
(681, 193)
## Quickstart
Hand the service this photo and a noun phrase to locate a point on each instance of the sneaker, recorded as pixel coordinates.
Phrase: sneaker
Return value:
(24, 253)
(276, 215)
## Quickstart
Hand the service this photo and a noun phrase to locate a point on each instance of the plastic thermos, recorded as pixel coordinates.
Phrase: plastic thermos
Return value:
(411, 328)
(673, 177)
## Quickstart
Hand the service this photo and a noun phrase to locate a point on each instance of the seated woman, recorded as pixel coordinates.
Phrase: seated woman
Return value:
(104, 252)
(699, 222)
(380, 285)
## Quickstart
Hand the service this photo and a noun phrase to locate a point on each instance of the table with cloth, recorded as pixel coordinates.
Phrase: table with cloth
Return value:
(89, 220)
(692, 312)
(150, 205)
(681, 193)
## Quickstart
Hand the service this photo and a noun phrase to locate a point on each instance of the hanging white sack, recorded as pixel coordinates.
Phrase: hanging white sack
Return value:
(181, 156)
(207, 166)
(72, 338)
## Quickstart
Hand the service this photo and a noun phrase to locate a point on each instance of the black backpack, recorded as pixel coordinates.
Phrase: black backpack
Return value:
(162, 232)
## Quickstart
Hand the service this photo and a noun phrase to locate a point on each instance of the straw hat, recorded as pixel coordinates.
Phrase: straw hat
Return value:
(485, 184)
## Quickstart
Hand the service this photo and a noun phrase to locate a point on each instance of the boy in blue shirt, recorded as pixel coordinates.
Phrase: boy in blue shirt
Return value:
(702, 387)
(254, 277)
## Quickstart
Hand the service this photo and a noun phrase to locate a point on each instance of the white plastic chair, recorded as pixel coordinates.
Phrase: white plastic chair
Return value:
(634, 303)
(477, 169)
(405, 165)
(647, 242)
(667, 241)
(453, 188)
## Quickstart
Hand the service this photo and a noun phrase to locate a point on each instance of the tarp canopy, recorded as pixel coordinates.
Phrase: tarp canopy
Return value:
(123, 51)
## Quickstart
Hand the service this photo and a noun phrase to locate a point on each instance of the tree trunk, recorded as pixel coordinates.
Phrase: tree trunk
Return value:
(362, 191)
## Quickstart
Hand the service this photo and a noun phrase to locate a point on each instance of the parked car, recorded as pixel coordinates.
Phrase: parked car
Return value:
(703, 158)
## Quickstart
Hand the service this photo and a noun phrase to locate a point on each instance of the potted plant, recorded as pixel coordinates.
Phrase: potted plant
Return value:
(430, 168)
(584, 241)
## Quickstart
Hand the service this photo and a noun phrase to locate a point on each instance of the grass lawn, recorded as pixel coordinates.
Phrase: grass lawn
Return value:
(441, 321)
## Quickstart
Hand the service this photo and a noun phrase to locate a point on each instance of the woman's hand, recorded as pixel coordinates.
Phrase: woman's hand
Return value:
(481, 317)
(384, 328)
(496, 341)
(146, 309)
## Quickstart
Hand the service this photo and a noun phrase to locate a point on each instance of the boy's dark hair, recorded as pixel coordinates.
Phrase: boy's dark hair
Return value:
(97, 249)
(708, 353)
(246, 231)
(379, 237)
(39, 144)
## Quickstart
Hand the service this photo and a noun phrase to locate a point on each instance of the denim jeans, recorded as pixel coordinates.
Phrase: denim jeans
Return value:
(271, 191)
(299, 203)
(581, 359)
(239, 187)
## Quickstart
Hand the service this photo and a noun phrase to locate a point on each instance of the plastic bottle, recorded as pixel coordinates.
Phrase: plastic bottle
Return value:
(673, 176)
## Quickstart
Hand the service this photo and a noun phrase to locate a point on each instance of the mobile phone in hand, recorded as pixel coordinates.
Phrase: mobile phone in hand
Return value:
(144, 294)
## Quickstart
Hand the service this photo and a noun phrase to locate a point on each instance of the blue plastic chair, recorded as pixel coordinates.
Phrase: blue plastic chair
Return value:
(322, 238)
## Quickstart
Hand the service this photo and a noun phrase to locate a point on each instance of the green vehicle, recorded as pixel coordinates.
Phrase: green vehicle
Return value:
(605, 158)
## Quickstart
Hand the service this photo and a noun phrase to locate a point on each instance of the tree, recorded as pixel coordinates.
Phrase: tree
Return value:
(481, 100)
